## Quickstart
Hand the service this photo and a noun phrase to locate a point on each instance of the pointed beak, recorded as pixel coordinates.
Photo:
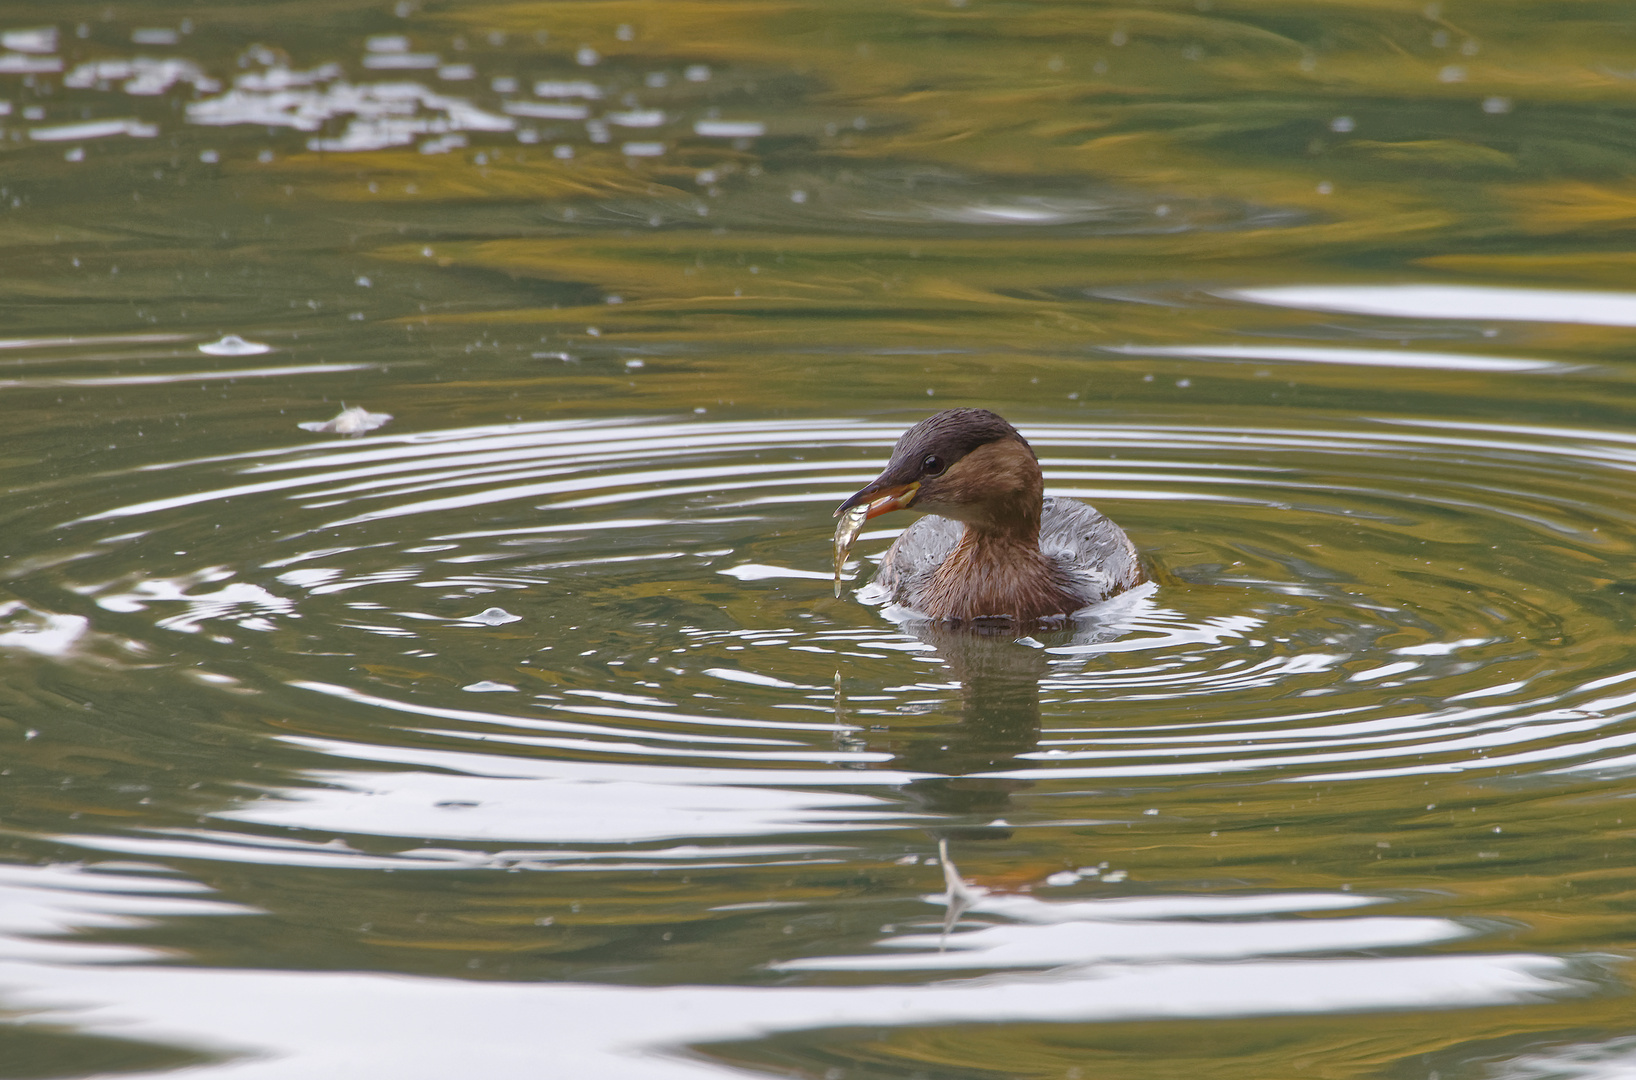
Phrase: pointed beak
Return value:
(881, 498)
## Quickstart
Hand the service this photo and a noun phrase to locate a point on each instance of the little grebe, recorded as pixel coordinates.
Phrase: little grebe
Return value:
(994, 545)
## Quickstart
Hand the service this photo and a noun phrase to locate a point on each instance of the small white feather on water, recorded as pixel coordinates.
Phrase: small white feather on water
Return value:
(349, 421)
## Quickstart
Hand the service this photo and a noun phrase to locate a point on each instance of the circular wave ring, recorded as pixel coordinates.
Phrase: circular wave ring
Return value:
(1340, 601)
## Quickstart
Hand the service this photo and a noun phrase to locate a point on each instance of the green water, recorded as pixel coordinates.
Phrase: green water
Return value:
(521, 732)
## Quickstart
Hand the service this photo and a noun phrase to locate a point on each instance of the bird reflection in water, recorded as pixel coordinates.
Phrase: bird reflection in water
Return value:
(999, 676)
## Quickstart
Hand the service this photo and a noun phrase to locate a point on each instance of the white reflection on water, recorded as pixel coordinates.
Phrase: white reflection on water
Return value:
(1613, 1059)
(247, 604)
(637, 118)
(729, 129)
(223, 375)
(1089, 937)
(1472, 750)
(537, 449)
(46, 633)
(336, 854)
(1454, 302)
(763, 572)
(379, 115)
(276, 1024)
(41, 39)
(94, 129)
(42, 908)
(545, 110)
(469, 809)
(514, 720)
(580, 88)
(141, 76)
(1312, 354)
(302, 1024)
(1024, 211)
(85, 342)
(376, 115)
(21, 64)
(538, 799)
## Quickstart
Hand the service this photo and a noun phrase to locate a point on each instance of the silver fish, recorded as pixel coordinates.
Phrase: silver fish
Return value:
(851, 524)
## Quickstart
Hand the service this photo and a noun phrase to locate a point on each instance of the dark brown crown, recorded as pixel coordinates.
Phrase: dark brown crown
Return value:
(952, 434)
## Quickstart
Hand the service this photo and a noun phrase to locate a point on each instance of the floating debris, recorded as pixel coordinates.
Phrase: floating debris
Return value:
(493, 616)
(349, 421)
(233, 345)
(845, 533)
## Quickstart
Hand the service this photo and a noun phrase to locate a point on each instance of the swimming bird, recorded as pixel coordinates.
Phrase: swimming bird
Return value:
(991, 546)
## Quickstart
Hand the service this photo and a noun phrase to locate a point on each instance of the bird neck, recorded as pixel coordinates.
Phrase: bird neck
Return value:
(999, 573)
(1005, 526)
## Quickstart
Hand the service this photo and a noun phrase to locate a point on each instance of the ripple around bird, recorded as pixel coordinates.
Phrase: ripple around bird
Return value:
(1375, 599)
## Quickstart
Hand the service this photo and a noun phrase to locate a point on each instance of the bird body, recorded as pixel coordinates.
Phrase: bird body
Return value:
(992, 546)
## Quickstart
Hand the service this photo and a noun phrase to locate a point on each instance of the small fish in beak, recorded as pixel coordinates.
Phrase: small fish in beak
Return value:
(878, 498)
(845, 533)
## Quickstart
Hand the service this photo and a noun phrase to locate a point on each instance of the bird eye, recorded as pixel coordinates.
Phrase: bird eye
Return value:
(932, 466)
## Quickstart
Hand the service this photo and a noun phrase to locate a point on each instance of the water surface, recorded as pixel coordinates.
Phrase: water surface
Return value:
(415, 599)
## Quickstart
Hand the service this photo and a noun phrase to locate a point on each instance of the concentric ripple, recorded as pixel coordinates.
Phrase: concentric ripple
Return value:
(1367, 599)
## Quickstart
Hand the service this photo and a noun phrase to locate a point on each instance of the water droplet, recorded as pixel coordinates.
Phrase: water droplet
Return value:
(494, 617)
(233, 345)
